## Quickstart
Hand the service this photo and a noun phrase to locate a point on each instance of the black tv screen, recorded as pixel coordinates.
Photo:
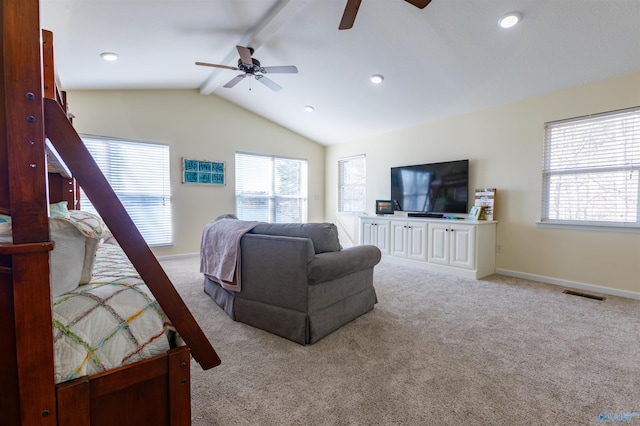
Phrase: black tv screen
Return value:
(431, 188)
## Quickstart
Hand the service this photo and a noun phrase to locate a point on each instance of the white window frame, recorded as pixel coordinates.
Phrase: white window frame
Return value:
(142, 183)
(354, 186)
(578, 163)
(271, 196)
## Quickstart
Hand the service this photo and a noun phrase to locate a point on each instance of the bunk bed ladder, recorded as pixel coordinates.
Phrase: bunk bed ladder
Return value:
(83, 167)
(87, 174)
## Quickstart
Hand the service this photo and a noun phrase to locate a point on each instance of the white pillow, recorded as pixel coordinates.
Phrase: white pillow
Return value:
(69, 258)
(89, 248)
(66, 260)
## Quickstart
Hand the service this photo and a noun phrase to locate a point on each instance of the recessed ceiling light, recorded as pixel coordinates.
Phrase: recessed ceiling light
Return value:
(376, 79)
(509, 20)
(109, 56)
(309, 108)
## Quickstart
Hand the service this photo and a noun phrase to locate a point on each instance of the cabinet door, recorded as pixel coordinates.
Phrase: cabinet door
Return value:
(417, 241)
(367, 233)
(375, 232)
(399, 241)
(462, 252)
(438, 244)
(382, 236)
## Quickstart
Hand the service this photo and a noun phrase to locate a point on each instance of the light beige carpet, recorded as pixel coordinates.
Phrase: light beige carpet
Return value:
(436, 350)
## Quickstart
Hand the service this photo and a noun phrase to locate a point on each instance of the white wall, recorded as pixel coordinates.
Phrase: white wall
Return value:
(200, 127)
(504, 146)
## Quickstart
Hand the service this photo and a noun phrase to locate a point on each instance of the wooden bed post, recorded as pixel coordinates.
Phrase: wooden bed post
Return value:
(27, 387)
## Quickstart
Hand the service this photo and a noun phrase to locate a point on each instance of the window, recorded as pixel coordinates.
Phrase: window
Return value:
(271, 189)
(352, 183)
(591, 170)
(139, 175)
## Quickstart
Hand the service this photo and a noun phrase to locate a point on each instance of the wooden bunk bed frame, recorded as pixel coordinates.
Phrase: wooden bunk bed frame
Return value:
(153, 391)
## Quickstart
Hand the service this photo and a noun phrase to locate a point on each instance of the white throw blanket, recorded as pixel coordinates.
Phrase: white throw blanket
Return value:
(220, 251)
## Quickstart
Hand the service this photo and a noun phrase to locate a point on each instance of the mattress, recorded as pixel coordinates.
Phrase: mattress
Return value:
(112, 321)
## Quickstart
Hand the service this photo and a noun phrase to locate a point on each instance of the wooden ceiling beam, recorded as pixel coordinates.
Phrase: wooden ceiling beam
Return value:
(281, 13)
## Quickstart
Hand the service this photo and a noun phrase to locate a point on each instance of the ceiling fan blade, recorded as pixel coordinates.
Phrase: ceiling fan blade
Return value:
(419, 3)
(245, 55)
(216, 66)
(349, 15)
(291, 69)
(269, 83)
(234, 81)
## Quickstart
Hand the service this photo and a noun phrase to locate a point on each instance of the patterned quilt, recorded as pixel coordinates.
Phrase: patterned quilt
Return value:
(112, 321)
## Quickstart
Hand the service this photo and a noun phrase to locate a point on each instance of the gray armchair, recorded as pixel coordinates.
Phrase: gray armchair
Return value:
(297, 282)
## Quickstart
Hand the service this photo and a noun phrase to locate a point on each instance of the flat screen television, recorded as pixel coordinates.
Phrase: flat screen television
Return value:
(431, 188)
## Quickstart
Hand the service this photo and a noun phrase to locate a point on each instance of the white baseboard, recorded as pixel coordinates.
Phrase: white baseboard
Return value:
(540, 278)
(570, 284)
(177, 256)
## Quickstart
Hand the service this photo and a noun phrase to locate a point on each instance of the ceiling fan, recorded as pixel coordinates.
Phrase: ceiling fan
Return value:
(251, 67)
(351, 10)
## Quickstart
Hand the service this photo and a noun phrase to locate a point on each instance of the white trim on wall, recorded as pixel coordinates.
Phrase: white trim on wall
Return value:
(178, 256)
(570, 284)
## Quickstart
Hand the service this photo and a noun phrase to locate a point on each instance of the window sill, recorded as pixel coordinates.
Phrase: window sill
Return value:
(591, 226)
(161, 245)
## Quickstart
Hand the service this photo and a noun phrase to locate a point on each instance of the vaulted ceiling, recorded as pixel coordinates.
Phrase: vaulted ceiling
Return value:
(446, 59)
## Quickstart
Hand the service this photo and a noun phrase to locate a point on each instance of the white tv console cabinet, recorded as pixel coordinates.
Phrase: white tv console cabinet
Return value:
(460, 247)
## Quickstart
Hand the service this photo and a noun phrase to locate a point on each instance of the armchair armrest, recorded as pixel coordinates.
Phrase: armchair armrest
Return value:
(274, 269)
(328, 266)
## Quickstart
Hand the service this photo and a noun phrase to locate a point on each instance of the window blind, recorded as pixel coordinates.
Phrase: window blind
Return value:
(271, 189)
(591, 169)
(352, 184)
(139, 175)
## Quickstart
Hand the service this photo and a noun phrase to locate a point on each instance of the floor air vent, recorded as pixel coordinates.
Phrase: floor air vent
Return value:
(588, 296)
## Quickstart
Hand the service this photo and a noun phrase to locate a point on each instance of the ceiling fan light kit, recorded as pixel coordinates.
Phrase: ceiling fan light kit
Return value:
(250, 66)
(509, 20)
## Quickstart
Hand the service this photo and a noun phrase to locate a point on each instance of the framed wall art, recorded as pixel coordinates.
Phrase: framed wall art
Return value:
(203, 172)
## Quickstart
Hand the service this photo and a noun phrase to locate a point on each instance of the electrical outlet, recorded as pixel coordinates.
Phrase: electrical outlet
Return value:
(498, 248)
